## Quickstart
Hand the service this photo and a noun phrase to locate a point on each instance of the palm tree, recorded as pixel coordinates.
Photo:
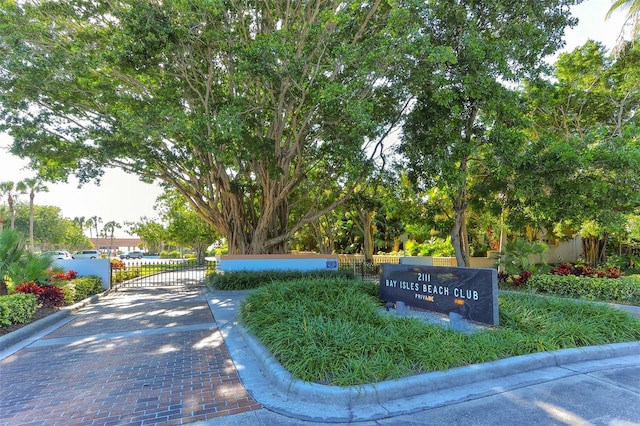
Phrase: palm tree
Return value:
(633, 12)
(92, 223)
(31, 185)
(3, 209)
(109, 229)
(80, 221)
(8, 188)
(89, 225)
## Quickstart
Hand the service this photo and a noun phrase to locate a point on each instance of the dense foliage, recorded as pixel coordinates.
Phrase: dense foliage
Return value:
(624, 290)
(331, 331)
(243, 108)
(245, 280)
(17, 309)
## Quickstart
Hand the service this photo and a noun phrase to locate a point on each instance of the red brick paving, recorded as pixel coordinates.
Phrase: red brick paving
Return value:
(168, 378)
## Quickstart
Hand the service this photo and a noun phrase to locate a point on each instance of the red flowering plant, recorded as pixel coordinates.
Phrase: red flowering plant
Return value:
(62, 276)
(516, 280)
(48, 295)
(51, 296)
(562, 269)
(28, 288)
(117, 264)
(586, 271)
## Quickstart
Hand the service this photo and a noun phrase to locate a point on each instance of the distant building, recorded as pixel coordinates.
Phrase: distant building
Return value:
(119, 244)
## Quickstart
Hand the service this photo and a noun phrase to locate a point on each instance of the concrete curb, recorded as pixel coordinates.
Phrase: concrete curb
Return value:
(391, 390)
(278, 391)
(28, 330)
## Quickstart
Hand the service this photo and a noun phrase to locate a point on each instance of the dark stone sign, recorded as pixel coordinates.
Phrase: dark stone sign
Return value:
(469, 292)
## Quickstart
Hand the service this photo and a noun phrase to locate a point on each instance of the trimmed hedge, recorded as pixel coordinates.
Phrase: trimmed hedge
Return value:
(247, 280)
(80, 288)
(17, 308)
(625, 290)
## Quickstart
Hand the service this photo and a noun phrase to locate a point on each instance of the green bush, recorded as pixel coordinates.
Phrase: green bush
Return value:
(80, 288)
(522, 255)
(69, 291)
(436, 247)
(87, 286)
(170, 255)
(246, 280)
(624, 290)
(121, 275)
(17, 308)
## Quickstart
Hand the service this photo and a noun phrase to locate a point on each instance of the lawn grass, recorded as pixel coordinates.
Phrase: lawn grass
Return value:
(329, 331)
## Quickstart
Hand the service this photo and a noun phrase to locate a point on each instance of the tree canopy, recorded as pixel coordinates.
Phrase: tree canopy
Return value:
(467, 119)
(235, 105)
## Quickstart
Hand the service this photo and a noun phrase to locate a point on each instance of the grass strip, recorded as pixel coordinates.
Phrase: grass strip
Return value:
(329, 331)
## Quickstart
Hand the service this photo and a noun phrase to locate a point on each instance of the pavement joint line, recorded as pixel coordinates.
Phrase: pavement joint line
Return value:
(120, 335)
(30, 339)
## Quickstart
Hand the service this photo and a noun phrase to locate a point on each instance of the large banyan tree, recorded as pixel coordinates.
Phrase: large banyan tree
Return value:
(261, 114)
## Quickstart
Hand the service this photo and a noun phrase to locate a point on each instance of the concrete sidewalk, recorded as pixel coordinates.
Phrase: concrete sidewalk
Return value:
(595, 385)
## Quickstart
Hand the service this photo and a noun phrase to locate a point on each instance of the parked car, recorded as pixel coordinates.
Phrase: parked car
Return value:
(136, 254)
(57, 255)
(87, 254)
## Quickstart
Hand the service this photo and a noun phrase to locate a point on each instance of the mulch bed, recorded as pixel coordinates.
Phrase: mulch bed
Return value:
(40, 313)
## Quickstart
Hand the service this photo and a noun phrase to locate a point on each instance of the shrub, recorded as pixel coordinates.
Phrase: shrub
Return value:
(620, 290)
(122, 275)
(51, 296)
(69, 289)
(516, 280)
(28, 288)
(170, 255)
(87, 286)
(17, 308)
(62, 276)
(586, 271)
(117, 264)
(521, 255)
(245, 280)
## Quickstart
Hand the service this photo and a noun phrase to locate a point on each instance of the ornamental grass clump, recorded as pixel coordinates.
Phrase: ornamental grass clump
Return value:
(331, 332)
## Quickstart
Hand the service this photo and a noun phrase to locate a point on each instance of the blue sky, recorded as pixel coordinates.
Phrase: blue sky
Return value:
(123, 197)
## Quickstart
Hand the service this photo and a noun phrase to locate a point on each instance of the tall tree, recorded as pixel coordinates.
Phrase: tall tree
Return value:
(632, 10)
(582, 164)
(8, 189)
(151, 232)
(31, 186)
(89, 225)
(80, 221)
(185, 227)
(110, 229)
(466, 109)
(95, 221)
(233, 104)
(51, 230)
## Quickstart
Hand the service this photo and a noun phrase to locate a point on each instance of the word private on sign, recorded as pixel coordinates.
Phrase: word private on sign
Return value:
(469, 292)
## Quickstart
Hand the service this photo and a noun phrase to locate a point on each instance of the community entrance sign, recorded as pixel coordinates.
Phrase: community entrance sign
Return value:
(470, 292)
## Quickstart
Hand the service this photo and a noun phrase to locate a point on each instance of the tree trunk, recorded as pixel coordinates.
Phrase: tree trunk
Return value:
(200, 249)
(459, 230)
(593, 249)
(368, 243)
(3, 288)
(31, 197)
(12, 211)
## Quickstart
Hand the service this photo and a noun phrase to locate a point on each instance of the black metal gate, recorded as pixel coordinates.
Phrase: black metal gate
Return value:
(149, 272)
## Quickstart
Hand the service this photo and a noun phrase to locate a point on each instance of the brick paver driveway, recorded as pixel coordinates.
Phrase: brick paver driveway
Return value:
(137, 357)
